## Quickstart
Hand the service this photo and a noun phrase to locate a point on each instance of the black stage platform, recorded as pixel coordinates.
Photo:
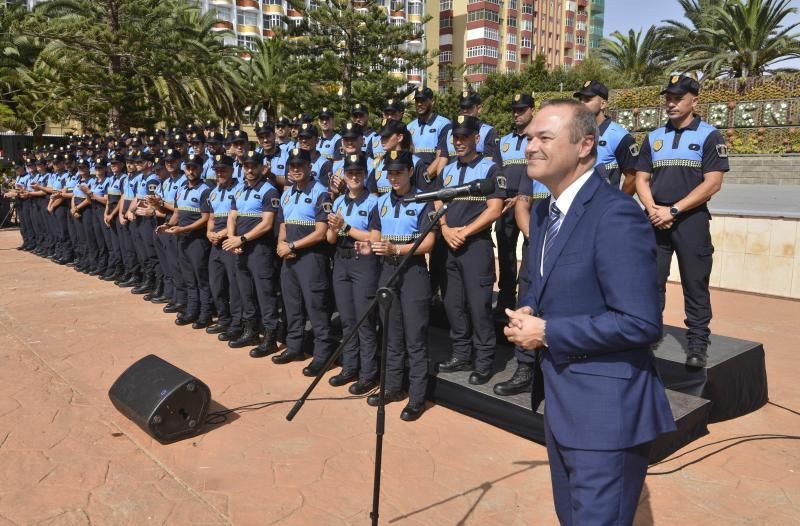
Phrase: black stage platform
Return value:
(733, 384)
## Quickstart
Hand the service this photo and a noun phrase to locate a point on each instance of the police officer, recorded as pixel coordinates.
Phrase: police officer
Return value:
(189, 224)
(392, 110)
(320, 165)
(470, 104)
(236, 143)
(221, 263)
(514, 164)
(97, 196)
(359, 114)
(352, 143)
(394, 226)
(617, 150)
(282, 137)
(197, 141)
(305, 279)
(59, 210)
(251, 235)
(329, 141)
(133, 265)
(394, 136)
(110, 214)
(680, 168)
(428, 131)
(144, 215)
(210, 127)
(273, 156)
(355, 277)
(470, 276)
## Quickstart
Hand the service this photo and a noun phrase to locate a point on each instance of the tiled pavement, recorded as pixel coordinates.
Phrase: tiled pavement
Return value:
(68, 457)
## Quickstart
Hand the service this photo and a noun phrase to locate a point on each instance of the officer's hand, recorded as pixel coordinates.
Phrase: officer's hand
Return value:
(335, 221)
(454, 237)
(123, 221)
(232, 243)
(129, 216)
(382, 248)
(283, 250)
(660, 215)
(363, 248)
(107, 221)
(160, 228)
(76, 215)
(175, 230)
(141, 212)
(509, 203)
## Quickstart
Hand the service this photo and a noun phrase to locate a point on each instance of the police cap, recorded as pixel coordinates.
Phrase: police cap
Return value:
(221, 159)
(82, 162)
(326, 112)
(282, 121)
(252, 157)
(116, 158)
(298, 156)
(195, 159)
(423, 93)
(359, 108)
(393, 105)
(469, 99)
(391, 127)
(680, 85)
(466, 125)
(236, 136)
(177, 138)
(158, 162)
(172, 155)
(355, 161)
(142, 156)
(100, 164)
(308, 130)
(521, 101)
(210, 125)
(191, 128)
(264, 128)
(215, 138)
(395, 160)
(196, 137)
(352, 130)
(592, 88)
(152, 140)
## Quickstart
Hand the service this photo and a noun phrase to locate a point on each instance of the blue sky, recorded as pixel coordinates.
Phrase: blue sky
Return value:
(622, 15)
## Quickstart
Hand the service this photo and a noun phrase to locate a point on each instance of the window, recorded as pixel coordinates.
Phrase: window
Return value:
(570, 6)
(272, 2)
(527, 25)
(491, 34)
(446, 56)
(313, 5)
(568, 37)
(579, 55)
(511, 56)
(445, 21)
(272, 21)
(246, 41)
(511, 38)
(569, 21)
(415, 8)
(495, 2)
(512, 21)
(484, 14)
(482, 51)
(526, 42)
(527, 9)
(580, 40)
(247, 18)
(581, 26)
(512, 4)
(397, 20)
(417, 29)
(478, 69)
(223, 13)
(444, 5)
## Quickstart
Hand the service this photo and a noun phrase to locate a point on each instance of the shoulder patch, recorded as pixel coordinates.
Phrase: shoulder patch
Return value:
(506, 146)
(658, 144)
(501, 182)
(327, 207)
(275, 202)
(634, 149)
(722, 151)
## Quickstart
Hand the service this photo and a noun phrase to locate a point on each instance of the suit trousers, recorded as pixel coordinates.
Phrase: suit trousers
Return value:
(355, 281)
(690, 239)
(468, 300)
(596, 487)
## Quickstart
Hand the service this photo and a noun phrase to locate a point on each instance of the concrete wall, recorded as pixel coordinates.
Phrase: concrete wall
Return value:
(764, 169)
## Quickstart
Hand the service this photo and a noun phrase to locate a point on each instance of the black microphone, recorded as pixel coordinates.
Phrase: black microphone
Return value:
(478, 187)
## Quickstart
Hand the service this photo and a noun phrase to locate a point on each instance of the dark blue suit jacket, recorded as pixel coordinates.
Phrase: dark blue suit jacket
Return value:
(599, 295)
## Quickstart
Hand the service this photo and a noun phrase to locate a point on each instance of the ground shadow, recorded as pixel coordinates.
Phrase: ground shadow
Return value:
(483, 488)
(644, 513)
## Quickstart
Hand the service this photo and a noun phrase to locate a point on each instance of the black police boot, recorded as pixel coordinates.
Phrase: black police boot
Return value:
(158, 291)
(231, 333)
(201, 323)
(145, 286)
(110, 275)
(362, 387)
(281, 333)
(172, 308)
(132, 281)
(314, 368)
(343, 378)
(248, 337)
(388, 398)
(412, 411)
(288, 356)
(123, 277)
(696, 357)
(184, 320)
(520, 381)
(217, 328)
(266, 347)
(480, 377)
(455, 364)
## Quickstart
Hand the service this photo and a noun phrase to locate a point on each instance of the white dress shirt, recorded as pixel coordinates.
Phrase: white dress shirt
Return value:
(563, 203)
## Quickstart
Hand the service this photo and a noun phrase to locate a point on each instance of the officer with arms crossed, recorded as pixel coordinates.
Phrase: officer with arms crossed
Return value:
(680, 167)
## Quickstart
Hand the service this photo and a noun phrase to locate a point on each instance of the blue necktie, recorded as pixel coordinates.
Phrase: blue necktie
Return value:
(552, 231)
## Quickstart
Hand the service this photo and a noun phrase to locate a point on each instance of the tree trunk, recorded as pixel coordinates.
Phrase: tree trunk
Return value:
(114, 62)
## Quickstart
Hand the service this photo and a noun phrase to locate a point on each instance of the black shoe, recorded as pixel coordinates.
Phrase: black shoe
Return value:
(95, 272)
(266, 347)
(520, 381)
(248, 337)
(158, 300)
(147, 285)
(342, 378)
(172, 308)
(361, 387)
(217, 328)
(230, 334)
(314, 368)
(454, 364)
(132, 281)
(61, 261)
(388, 398)
(122, 278)
(287, 356)
(184, 320)
(201, 323)
(109, 276)
(412, 411)
(479, 377)
(281, 333)
(696, 358)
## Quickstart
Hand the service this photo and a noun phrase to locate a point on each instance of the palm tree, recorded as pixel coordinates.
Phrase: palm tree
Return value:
(737, 38)
(639, 62)
(268, 78)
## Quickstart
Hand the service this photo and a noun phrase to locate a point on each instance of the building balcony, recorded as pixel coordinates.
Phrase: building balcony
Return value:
(222, 25)
(247, 30)
(252, 4)
(583, 3)
(272, 8)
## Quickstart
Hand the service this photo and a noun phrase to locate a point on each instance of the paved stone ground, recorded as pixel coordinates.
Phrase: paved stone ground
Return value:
(67, 457)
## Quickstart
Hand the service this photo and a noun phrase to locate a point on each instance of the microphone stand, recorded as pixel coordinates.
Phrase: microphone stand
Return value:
(383, 297)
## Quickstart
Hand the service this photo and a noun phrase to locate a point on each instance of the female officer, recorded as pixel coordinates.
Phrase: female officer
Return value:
(251, 236)
(80, 204)
(98, 187)
(395, 137)
(115, 266)
(394, 226)
(189, 223)
(352, 143)
(355, 278)
(305, 279)
(221, 263)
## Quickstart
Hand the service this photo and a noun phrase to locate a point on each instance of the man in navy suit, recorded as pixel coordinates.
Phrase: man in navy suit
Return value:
(591, 315)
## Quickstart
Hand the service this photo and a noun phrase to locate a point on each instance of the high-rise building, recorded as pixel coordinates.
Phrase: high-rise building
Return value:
(504, 35)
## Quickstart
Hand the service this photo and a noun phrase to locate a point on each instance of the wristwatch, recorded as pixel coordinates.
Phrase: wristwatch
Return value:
(291, 246)
(346, 229)
(674, 211)
(243, 239)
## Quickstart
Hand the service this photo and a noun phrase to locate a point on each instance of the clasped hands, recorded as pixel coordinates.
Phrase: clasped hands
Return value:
(660, 217)
(524, 329)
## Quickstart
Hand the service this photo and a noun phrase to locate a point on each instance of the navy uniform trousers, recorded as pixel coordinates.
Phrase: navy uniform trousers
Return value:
(690, 239)
(255, 276)
(101, 249)
(145, 227)
(64, 246)
(173, 254)
(112, 243)
(161, 247)
(408, 328)
(355, 280)
(128, 244)
(306, 284)
(507, 234)
(468, 300)
(224, 288)
(194, 250)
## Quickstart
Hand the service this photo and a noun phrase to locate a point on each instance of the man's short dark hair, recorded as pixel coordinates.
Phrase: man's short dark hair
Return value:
(583, 121)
